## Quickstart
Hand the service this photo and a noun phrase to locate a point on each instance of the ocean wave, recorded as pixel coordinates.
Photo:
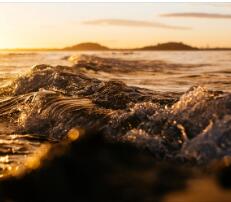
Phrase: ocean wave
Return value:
(15, 54)
(96, 63)
(53, 101)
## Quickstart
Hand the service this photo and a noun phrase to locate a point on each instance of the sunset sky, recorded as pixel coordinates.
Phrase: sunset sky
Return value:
(117, 25)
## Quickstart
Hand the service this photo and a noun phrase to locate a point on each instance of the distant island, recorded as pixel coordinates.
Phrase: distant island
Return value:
(89, 46)
(98, 47)
(169, 46)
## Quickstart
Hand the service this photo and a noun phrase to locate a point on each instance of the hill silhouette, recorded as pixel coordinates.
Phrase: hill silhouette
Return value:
(169, 46)
(87, 46)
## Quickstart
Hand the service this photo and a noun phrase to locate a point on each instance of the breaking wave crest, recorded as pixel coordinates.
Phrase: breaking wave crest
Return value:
(51, 101)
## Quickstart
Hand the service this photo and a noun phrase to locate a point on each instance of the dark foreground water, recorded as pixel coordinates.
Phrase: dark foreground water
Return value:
(124, 116)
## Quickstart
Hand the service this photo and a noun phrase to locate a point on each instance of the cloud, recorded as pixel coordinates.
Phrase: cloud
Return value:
(131, 23)
(228, 4)
(198, 15)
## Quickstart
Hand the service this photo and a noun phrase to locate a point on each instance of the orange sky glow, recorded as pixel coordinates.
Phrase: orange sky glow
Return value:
(117, 25)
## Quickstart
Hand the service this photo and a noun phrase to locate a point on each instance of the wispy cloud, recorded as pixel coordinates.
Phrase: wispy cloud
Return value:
(198, 15)
(132, 23)
(228, 4)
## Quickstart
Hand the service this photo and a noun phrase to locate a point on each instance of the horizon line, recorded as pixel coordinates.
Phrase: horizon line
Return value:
(110, 48)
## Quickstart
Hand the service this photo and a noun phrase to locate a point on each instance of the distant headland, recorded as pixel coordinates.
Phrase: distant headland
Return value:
(169, 46)
(163, 46)
(89, 46)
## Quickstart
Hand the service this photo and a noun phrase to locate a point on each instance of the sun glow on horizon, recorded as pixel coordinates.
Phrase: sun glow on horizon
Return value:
(57, 25)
